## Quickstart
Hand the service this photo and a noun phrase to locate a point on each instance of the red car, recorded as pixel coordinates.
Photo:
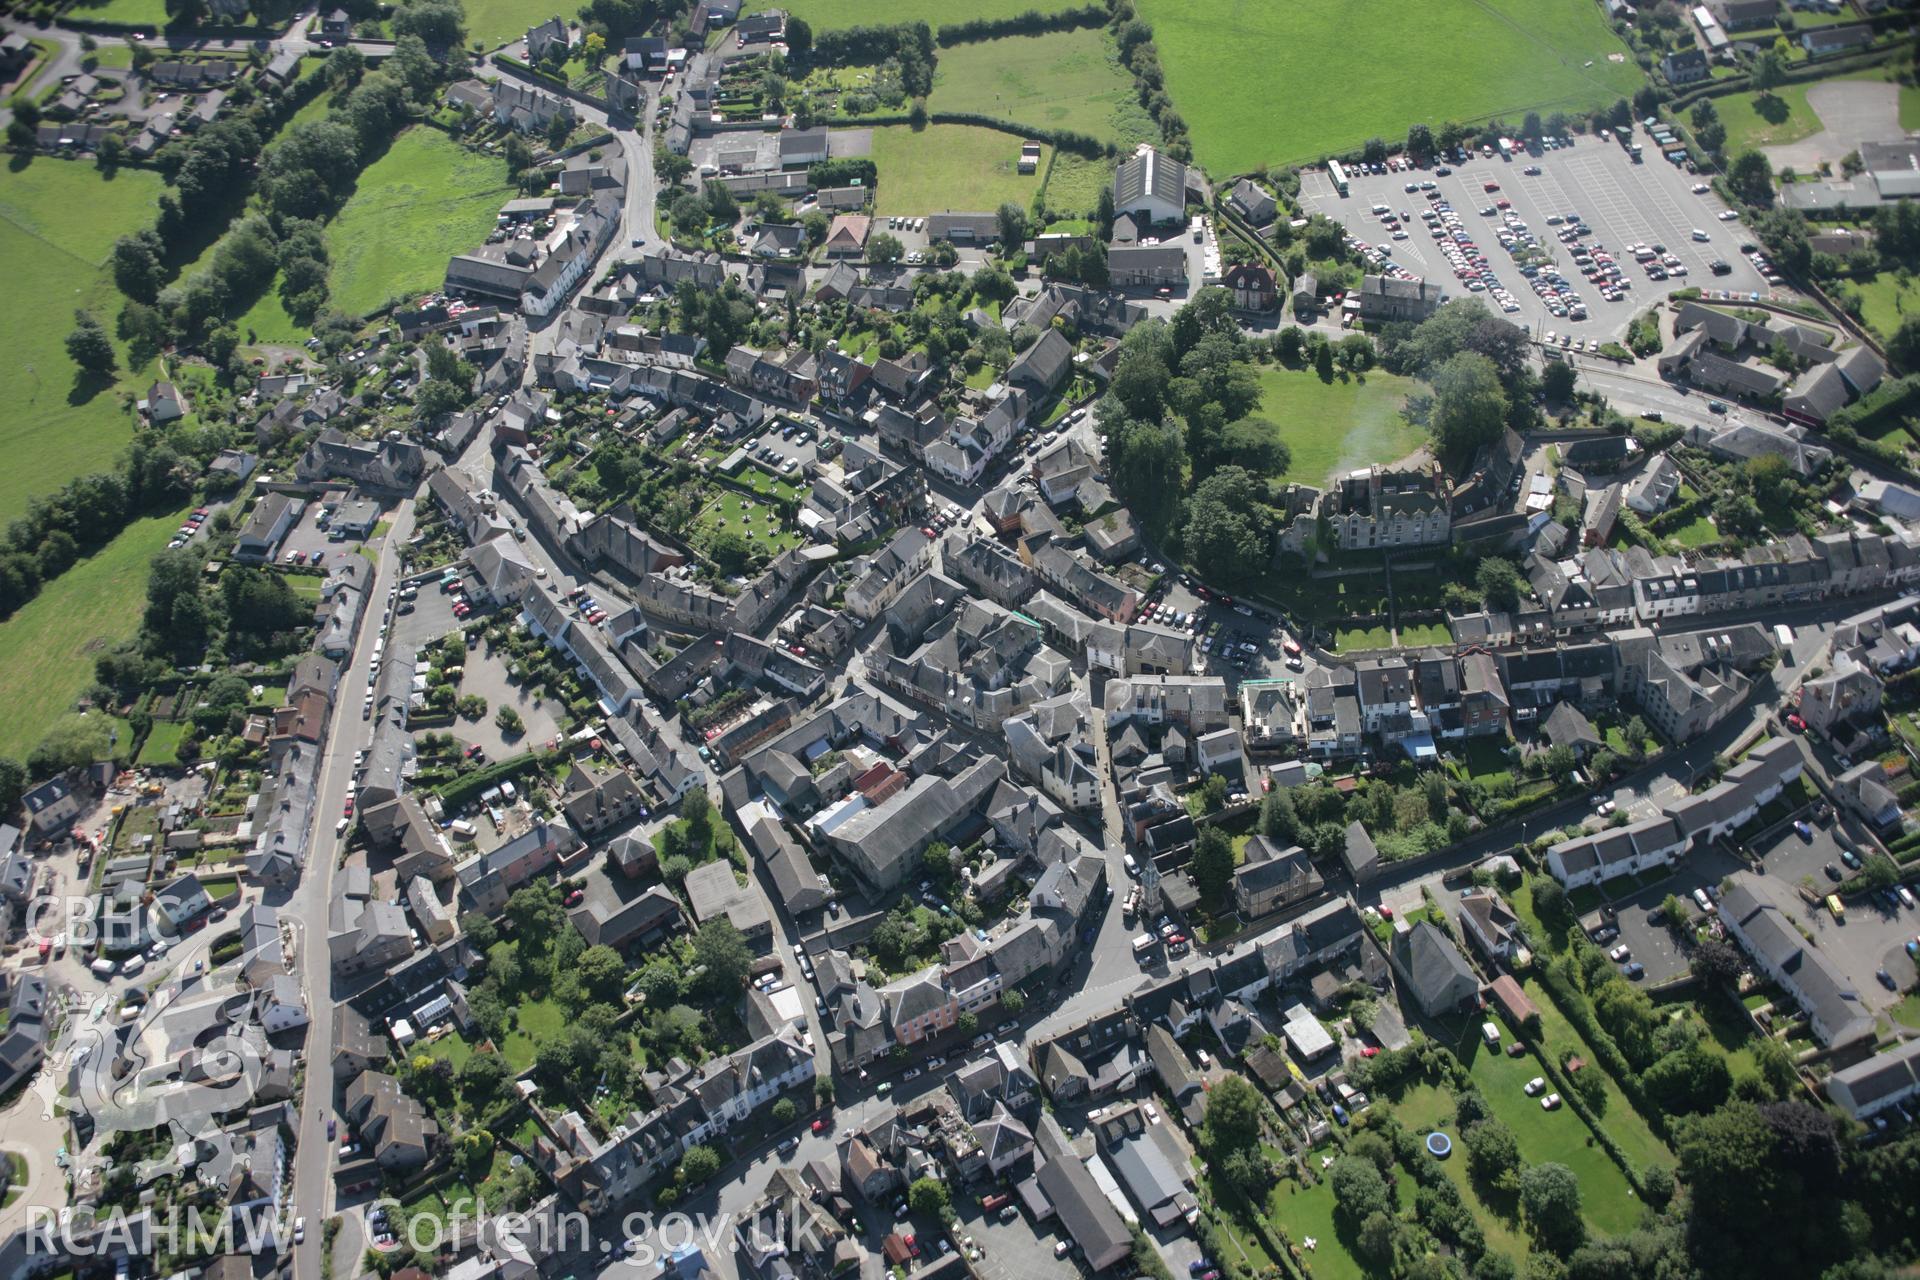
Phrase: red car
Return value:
(1386, 913)
(573, 899)
(1493, 186)
(1795, 723)
(819, 1126)
(1369, 1051)
(349, 806)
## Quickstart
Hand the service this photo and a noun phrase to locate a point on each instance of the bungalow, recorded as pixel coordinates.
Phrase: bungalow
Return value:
(847, 235)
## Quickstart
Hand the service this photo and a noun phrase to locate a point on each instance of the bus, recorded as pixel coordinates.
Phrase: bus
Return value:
(1338, 172)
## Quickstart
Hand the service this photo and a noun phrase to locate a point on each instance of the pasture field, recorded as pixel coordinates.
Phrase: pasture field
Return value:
(426, 199)
(47, 648)
(1339, 425)
(949, 168)
(58, 222)
(1058, 80)
(1311, 77)
(1075, 183)
(831, 15)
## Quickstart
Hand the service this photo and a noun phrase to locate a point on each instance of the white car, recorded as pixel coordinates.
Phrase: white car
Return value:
(1550, 1102)
(1535, 1085)
(1620, 953)
(299, 1230)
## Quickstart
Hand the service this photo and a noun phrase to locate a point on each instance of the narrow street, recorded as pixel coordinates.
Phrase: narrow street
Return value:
(308, 907)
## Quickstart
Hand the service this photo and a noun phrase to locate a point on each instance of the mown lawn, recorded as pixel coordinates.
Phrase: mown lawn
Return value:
(1779, 117)
(47, 649)
(1057, 80)
(1336, 426)
(949, 168)
(162, 746)
(1622, 1122)
(829, 15)
(1427, 1106)
(423, 201)
(1309, 1212)
(1885, 302)
(1280, 83)
(536, 1020)
(761, 526)
(1607, 1200)
(58, 222)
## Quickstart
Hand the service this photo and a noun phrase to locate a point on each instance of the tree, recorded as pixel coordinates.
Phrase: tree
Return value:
(1556, 381)
(1768, 71)
(928, 1196)
(1011, 223)
(720, 949)
(1012, 1002)
(1376, 1238)
(602, 973)
(1714, 963)
(1904, 346)
(1229, 527)
(1499, 582)
(967, 1024)
(1213, 864)
(508, 721)
(13, 783)
(1550, 900)
(1751, 178)
(1493, 1153)
(479, 931)
(784, 1112)
(799, 39)
(1232, 1117)
(88, 345)
(728, 550)
(1551, 1196)
(1688, 1081)
(481, 1077)
(137, 269)
(535, 914)
(1469, 405)
(1358, 1189)
(884, 250)
(1879, 873)
(1419, 142)
(699, 1164)
(697, 808)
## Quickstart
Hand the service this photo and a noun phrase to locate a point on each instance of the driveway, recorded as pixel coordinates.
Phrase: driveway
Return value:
(1853, 111)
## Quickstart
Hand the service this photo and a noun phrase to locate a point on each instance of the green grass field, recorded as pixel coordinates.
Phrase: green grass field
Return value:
(762, 527)
(496, 22)
(1623, 1124)
(829, 15)
(949, 168)
(414, 207)
(133, 13)
(1884, 303)
(1336, 426)
(1427, 1106)
(1281, 83)
(47, 649)
(1752, 121)
(536, 1020)
(1309, 1212)
(1606, 1198)
(58, 222)
(1075, 183)
(1059, 80)
(162, 746)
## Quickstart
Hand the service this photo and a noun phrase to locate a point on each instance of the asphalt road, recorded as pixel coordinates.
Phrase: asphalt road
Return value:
(308, 907)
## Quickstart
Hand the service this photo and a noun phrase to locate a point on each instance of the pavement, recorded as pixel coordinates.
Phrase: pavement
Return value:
(1851, 112)
(1623, 202)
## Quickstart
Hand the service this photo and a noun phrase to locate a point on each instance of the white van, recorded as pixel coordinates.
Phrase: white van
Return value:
(1699, 235)
(341, 828)
(462, 828)
(1143, 944)
(1132, 866)
(1490, 1033)
(1381, 208)
(104, 968)
(1906, 895)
